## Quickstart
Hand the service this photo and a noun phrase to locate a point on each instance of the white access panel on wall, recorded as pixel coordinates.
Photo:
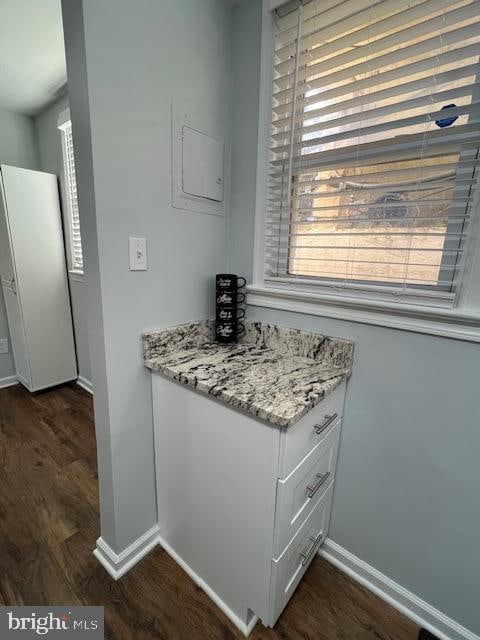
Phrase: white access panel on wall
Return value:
(198, 161)
(202, 165)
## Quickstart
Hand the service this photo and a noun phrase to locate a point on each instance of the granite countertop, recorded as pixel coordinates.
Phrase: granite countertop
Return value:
(273, 373)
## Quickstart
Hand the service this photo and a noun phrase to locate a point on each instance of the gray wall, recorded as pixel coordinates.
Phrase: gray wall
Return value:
(51, 160)
(407, 498)
(121, 88)
(17, 148)
(17, 140)
(75, 46)
(246, 82)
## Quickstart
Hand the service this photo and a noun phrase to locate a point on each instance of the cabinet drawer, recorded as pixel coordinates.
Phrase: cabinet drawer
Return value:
(288, 569)
(298, 494)
(298, 440)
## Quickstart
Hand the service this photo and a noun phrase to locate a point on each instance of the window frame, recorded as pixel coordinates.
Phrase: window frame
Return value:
(75, 273)
(461, 321)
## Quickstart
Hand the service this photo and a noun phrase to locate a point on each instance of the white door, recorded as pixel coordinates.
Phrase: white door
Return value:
(17, 333)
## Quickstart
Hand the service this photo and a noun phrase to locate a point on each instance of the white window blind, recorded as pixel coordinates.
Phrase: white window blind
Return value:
(374, 147)
(73, 227)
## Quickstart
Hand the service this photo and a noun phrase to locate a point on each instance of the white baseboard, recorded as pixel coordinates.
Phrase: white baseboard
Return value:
(117, 564)
(47, 387)
(405, 601)
(85, 384)
(9, 381)
(245, 628)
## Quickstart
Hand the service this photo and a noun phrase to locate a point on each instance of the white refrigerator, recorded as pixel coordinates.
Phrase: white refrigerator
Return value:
(34, 278)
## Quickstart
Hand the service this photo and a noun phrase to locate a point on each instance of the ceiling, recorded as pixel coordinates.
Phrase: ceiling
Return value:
(32, 56)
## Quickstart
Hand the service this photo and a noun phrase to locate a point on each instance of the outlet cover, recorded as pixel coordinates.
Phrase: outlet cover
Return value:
(3, 345)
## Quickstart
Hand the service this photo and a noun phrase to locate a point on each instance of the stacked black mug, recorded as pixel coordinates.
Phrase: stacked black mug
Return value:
(227, 298)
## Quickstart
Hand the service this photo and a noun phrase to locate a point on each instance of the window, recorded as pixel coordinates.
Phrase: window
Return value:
(374, 147)
(72, 222)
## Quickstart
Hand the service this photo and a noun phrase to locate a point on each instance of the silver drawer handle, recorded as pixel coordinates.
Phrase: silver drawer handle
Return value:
(321, 480)
(306, 554)
(319, 428)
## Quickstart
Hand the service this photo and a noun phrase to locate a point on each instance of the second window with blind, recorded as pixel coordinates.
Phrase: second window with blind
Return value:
(374, 147)
(71, 214)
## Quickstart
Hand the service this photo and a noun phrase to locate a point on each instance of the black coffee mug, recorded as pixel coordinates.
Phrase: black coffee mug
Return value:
(228, 331)
(229, 298)
(240, 329)
(229, 314)
(229, 281)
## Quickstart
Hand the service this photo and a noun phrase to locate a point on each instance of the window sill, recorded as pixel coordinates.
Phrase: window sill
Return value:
(451, 323)
(76, 276)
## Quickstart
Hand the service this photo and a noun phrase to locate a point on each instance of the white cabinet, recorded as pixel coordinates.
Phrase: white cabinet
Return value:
(17, 334)
(34, 279)
(302, 488)
(242, 503)
(288, 569)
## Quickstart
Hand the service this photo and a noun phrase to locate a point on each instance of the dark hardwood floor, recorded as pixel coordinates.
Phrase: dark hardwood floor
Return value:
(49, 524)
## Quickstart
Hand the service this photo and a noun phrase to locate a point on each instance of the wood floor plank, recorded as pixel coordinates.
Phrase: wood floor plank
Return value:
(60, 398)
(328, 604)
(56, 505)
(84, 476)
(49, 521)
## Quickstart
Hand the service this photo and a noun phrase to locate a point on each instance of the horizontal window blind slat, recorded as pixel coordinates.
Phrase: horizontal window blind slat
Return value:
(458, 55)
(362, 116)
(430, 87)
(420, 172)
(331, 26)
(312, 14)
(385, 127)
(396, 57)
(407, 41)
(444, 141)
(364, 270)
(386, 278)
(373, 47)
(282, 249)
(302, 201)
(379, 263)
(380, 205)
(372, 153)
(377, 234)
(387, 291)
(460, 218)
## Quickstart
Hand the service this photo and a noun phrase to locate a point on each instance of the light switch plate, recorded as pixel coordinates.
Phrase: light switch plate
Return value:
(137, 248)
(3, 345)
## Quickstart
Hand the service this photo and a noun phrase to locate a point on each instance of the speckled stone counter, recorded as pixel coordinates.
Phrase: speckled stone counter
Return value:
(274, 373)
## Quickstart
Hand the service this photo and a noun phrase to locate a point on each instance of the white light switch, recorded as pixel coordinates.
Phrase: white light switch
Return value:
(3, 345)
(138, 254)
